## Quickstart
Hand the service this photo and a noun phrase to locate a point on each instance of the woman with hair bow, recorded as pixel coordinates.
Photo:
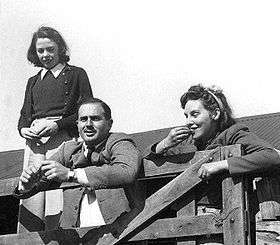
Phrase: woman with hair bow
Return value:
(209, 123)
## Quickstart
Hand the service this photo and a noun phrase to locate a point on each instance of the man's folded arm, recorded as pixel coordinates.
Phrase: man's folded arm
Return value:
(122, 169)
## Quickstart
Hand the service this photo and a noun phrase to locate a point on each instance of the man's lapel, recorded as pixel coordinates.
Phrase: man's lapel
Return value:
(79, 160)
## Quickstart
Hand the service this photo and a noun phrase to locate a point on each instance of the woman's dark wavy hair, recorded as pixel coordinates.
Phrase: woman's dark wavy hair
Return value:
(55, 36)
(199, 92)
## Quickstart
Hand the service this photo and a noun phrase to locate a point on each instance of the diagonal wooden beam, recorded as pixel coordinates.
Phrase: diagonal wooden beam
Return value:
(168, 194)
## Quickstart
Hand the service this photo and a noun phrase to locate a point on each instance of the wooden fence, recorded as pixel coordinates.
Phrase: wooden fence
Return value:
(170, 215)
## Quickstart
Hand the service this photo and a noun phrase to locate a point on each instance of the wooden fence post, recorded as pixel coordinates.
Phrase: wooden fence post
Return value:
(236, 228)
(188, 209)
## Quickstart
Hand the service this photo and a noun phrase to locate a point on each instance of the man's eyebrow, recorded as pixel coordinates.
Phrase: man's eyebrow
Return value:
(92, 116)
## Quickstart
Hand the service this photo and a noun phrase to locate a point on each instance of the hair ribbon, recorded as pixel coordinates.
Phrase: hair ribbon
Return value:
(219, 102)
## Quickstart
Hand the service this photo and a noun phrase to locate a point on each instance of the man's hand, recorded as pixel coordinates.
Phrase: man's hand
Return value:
(54, 171)
(175, 136)
(29, 133)
(29, 177)
(207, 170)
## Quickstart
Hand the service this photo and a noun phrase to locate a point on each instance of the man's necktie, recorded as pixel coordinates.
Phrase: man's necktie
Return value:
(90, 151)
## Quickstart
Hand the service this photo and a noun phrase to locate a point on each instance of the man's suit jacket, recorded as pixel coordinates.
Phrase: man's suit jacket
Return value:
(112, 172)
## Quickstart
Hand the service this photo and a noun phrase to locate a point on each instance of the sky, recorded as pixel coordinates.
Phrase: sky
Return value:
(141, 56)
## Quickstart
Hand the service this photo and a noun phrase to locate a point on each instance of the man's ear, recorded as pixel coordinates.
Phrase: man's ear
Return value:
(111, 122)
(216, 114)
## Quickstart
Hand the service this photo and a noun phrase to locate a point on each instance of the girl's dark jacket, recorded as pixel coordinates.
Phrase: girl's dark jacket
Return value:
(77, 86)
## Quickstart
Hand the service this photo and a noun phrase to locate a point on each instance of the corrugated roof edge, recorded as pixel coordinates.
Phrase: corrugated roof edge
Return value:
(260, 116)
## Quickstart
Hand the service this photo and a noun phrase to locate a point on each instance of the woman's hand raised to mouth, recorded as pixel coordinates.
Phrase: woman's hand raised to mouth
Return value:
(175, 137)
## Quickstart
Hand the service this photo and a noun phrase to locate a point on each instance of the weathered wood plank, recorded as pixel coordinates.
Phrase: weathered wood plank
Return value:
(7, 186)
(269, 226)
(187, 208)
(268, 191)
(250, 209)
(234, 227)
(11, 163)
(233, 223)
(184, 226)
(268, 232)
(162, 228)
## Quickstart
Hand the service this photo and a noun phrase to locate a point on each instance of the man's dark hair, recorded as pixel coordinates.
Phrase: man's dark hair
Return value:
(106, 108)
(53, 35)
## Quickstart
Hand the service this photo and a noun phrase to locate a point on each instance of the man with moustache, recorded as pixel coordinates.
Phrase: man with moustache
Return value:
(105, 165)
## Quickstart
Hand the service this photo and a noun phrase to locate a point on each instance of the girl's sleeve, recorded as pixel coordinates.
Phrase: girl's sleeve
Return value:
(85, 92)
(84, 85)
(258, 155)
(23, 119)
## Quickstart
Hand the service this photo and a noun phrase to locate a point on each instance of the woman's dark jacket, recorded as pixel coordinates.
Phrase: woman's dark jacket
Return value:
(258, 155)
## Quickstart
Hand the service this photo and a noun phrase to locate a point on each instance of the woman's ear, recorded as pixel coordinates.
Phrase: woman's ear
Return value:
(216, 114)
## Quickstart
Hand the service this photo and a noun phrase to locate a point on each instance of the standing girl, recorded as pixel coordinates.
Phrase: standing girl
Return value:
(48, 117)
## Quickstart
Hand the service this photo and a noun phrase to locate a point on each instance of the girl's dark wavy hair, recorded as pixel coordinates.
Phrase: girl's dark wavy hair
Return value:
(199, 92)
(55, 36)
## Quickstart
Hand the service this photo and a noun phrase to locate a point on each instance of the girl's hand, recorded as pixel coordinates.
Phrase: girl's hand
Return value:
(175, 136)
(29, 133)
(50, 128)
(207, 170)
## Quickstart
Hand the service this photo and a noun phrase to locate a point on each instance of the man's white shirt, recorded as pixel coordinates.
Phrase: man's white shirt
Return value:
(90, 213)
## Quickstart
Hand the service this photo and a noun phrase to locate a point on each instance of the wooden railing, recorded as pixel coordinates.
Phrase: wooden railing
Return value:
(178, 194)
(170, 215)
